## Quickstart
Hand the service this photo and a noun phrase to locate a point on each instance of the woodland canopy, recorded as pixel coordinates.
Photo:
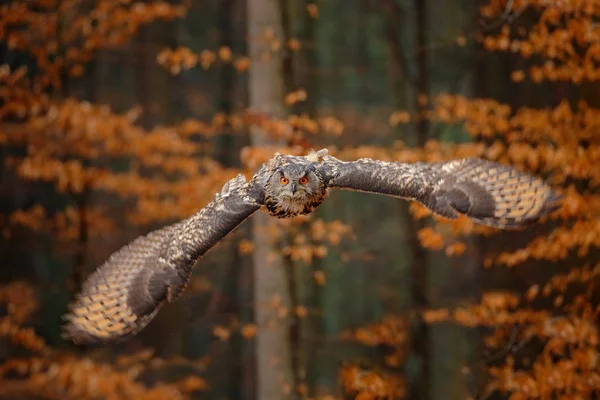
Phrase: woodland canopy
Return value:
(118, 117)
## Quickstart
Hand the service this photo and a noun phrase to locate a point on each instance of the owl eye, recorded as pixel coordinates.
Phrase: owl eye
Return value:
(283, 180)
(303, 180)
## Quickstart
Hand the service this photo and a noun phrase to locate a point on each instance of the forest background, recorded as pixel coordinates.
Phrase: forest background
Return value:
(118, 117)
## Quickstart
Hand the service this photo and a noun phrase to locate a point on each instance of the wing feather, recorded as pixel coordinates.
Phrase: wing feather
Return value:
(490, 193)
(123, 295)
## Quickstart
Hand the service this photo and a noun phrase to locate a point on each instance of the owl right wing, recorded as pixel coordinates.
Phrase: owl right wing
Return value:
(489, 193)
(126, 292)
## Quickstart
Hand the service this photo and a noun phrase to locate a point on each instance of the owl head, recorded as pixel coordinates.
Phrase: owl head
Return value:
(295, 181)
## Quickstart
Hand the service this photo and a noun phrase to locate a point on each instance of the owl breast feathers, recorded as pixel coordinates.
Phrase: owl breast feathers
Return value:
(125, 293)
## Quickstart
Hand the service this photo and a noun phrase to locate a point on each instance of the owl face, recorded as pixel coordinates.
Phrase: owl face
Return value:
(295, 187)
(295, 182)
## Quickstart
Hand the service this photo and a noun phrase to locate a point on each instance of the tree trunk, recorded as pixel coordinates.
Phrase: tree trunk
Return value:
(266, 85)
(421, 388)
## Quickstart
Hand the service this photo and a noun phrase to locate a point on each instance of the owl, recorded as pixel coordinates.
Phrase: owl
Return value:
(123, 295)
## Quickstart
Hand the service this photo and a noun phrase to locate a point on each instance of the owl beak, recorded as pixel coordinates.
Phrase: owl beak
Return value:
(293, 187)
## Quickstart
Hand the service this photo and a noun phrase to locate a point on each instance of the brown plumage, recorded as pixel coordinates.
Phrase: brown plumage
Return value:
(103, 310)
(490, 193)
(126, 292)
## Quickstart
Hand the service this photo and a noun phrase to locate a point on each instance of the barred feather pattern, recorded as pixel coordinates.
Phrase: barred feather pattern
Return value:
(126, 292)
(490, 193)
(122, 296)
(494, 194)
(101, 310)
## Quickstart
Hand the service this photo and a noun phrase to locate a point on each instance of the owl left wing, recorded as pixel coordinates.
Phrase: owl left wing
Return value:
(126, 292)
(490, 193)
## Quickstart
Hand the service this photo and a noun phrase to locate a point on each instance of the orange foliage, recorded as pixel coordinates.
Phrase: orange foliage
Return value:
(561, 144)
(51, 374)
(62, 42)
(313, 10)
(391, 331)
(73, 144)
(431, 239)
(65, 376)
(581, 236)
(249, 331)
(311, 238)
(295, 97)
(80, 379)
(20, 302)
(320, 278)
(565, 35)
(371, 385)
(222, 332)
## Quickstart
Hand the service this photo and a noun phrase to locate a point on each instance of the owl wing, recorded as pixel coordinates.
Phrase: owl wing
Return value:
(126, 292)
(490, 193)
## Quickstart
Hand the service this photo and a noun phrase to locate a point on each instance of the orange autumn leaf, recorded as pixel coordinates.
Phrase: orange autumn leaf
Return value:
(312, 10)
(319, 277)
(221, 332)
(249, 331)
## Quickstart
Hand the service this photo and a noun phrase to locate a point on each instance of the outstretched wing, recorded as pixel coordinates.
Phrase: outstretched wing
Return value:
(126, 292)
(490, 193)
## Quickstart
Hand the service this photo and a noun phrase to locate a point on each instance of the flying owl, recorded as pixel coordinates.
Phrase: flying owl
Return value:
(126, 292)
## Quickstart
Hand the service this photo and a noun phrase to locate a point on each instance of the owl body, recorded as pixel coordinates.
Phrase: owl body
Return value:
(294, 186)
(123, 295)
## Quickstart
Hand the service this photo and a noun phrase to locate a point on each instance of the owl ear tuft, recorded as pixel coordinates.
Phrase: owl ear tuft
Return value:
(317, 156)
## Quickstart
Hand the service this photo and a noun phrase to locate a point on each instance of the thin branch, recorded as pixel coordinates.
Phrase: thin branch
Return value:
(393, 14)
(503, 18)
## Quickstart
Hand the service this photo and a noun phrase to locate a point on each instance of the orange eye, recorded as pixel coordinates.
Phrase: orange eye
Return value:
(303, 180)
(283, 180)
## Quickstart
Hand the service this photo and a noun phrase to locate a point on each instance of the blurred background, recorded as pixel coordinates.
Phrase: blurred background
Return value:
(119, 117)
